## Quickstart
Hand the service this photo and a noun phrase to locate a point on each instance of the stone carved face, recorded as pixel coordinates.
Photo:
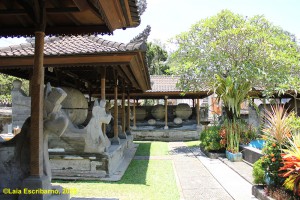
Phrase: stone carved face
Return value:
(99, 111)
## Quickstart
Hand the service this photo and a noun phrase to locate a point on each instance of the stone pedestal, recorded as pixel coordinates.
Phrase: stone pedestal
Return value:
(122, 135)
(33, 183)
(89, 166)
(115, 141)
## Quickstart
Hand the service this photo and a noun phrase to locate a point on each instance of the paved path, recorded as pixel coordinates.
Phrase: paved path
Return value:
(203, 178)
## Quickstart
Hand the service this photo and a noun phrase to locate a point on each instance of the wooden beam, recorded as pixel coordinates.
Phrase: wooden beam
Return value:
(166, 113)
(116, 140)
(74, 60)
(134, 115)
(128, 115)
(63, 30)
(128, 74)
(198, 112)
(113, 14)
(37, 104)
(48, 10)
(123, 113)
(103, 79)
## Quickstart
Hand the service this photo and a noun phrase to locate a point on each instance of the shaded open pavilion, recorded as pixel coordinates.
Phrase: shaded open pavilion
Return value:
(37, 17)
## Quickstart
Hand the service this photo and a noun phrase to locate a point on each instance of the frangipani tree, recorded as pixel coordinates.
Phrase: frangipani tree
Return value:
(228, 44)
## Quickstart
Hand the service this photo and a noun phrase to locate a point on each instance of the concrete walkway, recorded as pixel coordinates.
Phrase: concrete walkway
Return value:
(202, 178)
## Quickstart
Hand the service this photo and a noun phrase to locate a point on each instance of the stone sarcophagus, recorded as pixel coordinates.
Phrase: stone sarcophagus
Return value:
(80, 151)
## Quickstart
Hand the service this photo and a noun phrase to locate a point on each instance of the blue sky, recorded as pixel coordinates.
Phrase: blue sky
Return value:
(170, 17)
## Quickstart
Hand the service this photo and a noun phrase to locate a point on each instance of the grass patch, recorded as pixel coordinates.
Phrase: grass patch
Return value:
(193, 143)
(147, 148)
(144, 179)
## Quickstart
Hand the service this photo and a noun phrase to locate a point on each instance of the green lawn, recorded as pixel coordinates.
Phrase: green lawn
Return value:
(143, 180)
(193, 143)
(147, 148)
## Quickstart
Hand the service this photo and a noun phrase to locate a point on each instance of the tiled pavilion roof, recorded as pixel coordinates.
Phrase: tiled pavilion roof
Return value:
(82, 58)
(72, 45)
(163, 83)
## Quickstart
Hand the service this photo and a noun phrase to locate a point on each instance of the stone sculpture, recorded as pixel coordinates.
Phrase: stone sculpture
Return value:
(95, 140)
(140, 113)
(183, 111)
(151, 122)
(75, 106)
(158, 112)
(15, 154)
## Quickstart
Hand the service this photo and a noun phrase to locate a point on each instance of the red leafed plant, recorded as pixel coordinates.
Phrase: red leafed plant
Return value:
(291, 165)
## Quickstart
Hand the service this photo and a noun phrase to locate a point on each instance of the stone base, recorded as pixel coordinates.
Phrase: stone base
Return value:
(166, 135)
(35, 183)
(122, 136)
(88, 166)
(115, 141)
(259, 192)
(213, 155)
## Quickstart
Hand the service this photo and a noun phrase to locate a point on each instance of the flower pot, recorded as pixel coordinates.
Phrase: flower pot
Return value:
(234, 157)
(258, 144)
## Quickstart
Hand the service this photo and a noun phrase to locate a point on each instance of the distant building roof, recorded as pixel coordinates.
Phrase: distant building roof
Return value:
(163, 83)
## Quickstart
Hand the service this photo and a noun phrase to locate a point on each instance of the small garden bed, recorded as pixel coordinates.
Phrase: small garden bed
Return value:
(214, 154)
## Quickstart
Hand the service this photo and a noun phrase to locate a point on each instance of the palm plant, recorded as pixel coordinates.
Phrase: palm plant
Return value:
(232, 93)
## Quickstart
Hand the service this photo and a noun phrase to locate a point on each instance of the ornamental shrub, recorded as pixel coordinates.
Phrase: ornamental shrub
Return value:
(210, 139)
(258, 172)
(272, 161)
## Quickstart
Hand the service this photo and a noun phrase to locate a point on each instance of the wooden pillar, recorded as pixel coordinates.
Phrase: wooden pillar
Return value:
(116, 139)
(198, 113)
(134, 115)
(128, 115)
(166, 113)
(103, 79)
(37, 104)
(123, 134)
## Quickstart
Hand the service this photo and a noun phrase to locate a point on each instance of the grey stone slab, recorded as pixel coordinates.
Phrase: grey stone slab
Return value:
(207, 194)
(198, 183)
(82, 198)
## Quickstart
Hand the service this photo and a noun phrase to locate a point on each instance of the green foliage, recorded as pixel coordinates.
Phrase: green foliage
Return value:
(272, 161)
(156, 59)
(248, 133)
(258, 172)
(294, 122)
(210, 139)
(232, 93)
(147, 148)
(250, 49)
(144, 179)
(233, 129)
(6, 86)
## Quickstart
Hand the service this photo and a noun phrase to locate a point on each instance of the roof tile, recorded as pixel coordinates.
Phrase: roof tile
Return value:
(69, 45)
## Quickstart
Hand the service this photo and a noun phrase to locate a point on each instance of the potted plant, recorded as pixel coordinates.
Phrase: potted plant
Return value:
(232, 93)
(233, 141)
